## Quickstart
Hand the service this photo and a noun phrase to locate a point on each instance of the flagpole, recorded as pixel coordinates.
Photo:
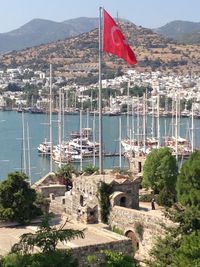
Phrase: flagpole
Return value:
(100, 95)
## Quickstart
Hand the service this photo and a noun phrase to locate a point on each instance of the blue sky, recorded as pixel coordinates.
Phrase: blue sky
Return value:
(147, 13)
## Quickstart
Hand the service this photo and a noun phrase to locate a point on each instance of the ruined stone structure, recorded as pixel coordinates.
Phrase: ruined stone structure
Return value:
(142, 226)
(82, 202)
(82, 253)
(137, 163)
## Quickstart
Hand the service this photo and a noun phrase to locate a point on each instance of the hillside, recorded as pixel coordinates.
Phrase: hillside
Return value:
(77, 57)
(182, 31)
(40, 31)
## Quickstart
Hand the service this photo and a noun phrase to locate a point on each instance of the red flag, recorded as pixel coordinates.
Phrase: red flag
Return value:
(114, 41)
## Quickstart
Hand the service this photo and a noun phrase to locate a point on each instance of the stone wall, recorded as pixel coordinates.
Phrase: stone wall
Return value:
(62, 204)
(128, 219)
(56, 189)
(82, 253)
(131, 192)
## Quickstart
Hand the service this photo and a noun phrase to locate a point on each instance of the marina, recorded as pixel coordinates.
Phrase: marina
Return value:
(11, 158)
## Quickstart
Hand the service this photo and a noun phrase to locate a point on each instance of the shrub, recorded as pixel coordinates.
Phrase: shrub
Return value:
(139, 229)
(117, 230)
(146, 198)
(90, 169)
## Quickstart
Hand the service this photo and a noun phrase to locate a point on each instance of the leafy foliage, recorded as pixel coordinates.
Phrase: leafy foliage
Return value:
(146, 198)
(90, 169)
(64, 175)
(55, 259)
(163, 251)
(188, 219)
(104, 192)
(46, 238)
(188, 254)
(17, 199)
(188, 183)
(118, 259)
(137, 90)
(160, 173)
(181, 244)
(139, 229)
(117, 230)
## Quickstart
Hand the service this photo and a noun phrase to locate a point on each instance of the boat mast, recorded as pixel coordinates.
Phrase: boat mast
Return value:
(59, 126)
(87, 122)
(128, 119)
(138, 124)
(193, 128)
(153, 118)
(176, 128)
(172, 120)
(81, 142)
(29, 158)
(100, 96)
(144, 123)
(63, 114)
(50, 120)
(133, 122)
(24, 145)
(158, 120)
(120, 139)
(94, 148)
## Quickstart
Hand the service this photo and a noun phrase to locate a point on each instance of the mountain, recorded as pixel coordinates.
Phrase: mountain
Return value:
(77, 57)
(40, 31)
(181, 31)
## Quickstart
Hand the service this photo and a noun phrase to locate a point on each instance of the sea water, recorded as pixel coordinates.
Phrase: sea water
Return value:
(12, 142)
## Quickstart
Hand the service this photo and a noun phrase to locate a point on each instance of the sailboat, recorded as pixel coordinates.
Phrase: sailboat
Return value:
(179, 146)
(143, 144)
(45, 148)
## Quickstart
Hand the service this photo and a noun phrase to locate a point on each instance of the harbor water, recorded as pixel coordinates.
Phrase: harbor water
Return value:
(12, 143)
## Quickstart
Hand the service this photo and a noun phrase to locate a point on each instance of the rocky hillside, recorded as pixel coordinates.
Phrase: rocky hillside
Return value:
(40, 31)
(77, 57)
(182, 31)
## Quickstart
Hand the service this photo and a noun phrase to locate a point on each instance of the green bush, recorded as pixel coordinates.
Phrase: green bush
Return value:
(104, 192)
(118, 259)
(55, 259)
(139, 229)
(146, 198)
(90, 169)
(165, 198)
(117, 230)
(18, 199)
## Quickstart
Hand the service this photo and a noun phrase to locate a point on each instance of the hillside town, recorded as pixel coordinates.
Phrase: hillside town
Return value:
(167, 86)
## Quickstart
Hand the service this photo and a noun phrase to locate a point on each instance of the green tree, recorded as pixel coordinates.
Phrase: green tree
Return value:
(181, 244)
(160, 173)
(188, 254)
(188, 182)
(90, 169)
(176, 249)
(17, 199)
(46, 238)
(163, 251)
(64, 175)
(13, 87)
(118, 259)
(104, 192)
(54, 259)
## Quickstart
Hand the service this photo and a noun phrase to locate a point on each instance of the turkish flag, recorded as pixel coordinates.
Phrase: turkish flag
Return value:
(114, 41)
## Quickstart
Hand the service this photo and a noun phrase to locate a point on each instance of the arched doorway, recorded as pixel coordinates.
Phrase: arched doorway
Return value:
(122, 202)
(130, 234)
